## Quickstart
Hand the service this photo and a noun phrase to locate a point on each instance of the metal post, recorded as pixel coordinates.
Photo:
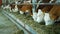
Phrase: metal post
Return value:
(34, 5)
(38, 3)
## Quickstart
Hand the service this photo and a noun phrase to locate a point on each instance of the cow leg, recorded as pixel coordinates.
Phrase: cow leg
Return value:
(47, 19)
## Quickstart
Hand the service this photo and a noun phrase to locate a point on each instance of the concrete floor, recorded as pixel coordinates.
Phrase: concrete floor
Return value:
(6, 26)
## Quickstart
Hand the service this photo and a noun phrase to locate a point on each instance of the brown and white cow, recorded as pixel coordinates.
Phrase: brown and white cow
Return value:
(52, 16)
(38, 16)
(11, 7)
(25, 7)
(14, 7)
(43, 14)
(6, 7)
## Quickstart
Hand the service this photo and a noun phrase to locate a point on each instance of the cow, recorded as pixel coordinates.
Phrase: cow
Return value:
(52, 16)
(41, 13)
(11, 7)
(39, 10)
(14, 7)
(25, 8)
(6, 7)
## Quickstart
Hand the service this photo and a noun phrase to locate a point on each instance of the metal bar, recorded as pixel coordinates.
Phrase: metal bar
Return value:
(39, 4)
(47, 3)
(34, 5)
(24, 26)
(16, 22)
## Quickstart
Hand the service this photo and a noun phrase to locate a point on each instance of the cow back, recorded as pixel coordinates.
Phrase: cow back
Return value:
(55, 12)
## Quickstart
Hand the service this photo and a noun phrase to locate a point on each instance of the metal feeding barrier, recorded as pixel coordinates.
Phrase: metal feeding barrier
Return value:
(40, 4)
(26, 28)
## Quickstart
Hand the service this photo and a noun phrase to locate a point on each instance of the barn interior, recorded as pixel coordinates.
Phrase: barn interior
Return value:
(29, 16)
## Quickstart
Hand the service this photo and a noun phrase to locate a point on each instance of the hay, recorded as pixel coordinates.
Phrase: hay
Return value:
(41, 29)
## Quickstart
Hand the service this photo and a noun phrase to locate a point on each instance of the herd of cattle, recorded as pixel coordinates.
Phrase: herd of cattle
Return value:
(44, 13)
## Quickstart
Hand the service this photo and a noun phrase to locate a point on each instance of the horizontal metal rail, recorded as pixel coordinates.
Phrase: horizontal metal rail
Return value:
(39, 4)
(24, 26)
